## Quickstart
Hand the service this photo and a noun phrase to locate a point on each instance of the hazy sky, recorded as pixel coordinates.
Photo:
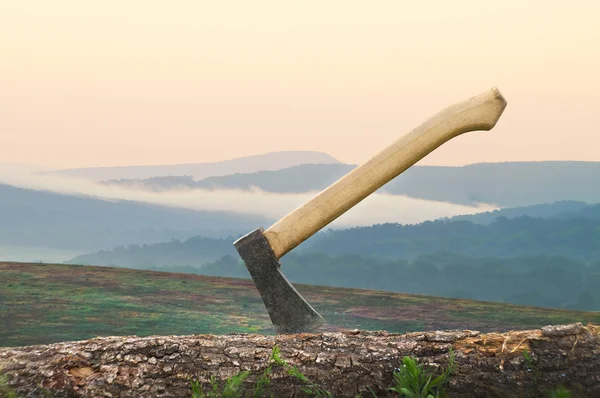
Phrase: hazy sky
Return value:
(123, 82)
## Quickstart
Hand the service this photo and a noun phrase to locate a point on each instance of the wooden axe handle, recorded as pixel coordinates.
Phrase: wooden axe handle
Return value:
(478, 113)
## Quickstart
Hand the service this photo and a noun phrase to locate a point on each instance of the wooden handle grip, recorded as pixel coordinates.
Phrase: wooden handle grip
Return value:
(478, 113)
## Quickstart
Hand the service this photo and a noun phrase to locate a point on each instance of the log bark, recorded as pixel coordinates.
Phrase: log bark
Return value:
(344, 363)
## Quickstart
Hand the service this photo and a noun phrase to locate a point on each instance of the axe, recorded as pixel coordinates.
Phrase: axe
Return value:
(261, 250)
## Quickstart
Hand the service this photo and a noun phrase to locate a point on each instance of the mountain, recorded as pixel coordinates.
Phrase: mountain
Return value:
(301, 178)
(295, 179)
(510, 184)
(45, 219)
(248, 164)
(194, 252)
(561, 209)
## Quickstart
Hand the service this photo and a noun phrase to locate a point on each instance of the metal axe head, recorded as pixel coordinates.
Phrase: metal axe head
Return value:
(288, 310)
(261, 250)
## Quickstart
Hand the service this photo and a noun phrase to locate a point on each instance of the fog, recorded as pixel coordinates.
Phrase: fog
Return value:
(377, 208)
(30, 254)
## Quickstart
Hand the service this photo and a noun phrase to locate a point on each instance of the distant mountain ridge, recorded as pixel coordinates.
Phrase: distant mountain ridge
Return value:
(248, 164)
(83, 223)
(295, 179)
(508, 184)
(561, 209)
(194, 251)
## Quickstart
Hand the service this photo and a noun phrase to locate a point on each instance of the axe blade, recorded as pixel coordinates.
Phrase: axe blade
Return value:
(288, 310)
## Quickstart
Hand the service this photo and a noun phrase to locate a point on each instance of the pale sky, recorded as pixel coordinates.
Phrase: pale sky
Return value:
(138, 82)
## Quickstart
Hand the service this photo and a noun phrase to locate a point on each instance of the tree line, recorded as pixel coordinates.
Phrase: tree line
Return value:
(543, 281)
(529, 261)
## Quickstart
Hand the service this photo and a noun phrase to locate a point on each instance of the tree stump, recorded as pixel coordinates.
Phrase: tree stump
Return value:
(343, 363)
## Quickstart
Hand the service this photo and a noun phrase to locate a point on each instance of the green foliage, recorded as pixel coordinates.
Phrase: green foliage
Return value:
(5, 388)
(311, 388)
(413, 381)
(561, 392)
(531, 367)
(264, 380)
(233, 387)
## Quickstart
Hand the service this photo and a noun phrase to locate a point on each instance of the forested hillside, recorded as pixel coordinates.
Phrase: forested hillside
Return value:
(552, 262)
(572, 234)
(539, 280)
(577, 237)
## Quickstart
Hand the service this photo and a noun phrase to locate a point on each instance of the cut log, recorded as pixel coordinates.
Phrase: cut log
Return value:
(343, 363)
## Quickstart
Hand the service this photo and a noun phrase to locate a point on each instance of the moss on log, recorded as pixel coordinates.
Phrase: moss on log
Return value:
(344, 363)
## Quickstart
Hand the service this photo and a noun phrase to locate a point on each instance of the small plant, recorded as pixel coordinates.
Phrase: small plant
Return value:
(561, 392)
(233, 387)
(264, 380)
(311, 389)
(413, 381)
(531, 367)
(4, 387)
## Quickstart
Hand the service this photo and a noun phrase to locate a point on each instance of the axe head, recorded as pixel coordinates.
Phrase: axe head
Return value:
(288, 310)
